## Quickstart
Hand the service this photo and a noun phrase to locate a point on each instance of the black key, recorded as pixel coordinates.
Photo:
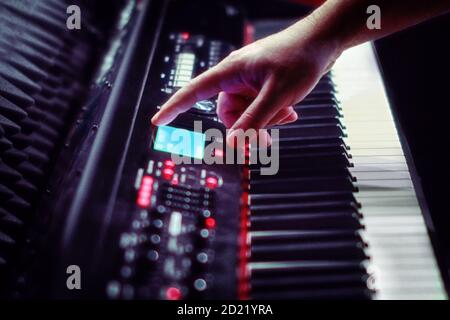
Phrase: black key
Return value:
(300, 206)
(312, 130)
(319, 250)
(347, 293)
(289, 236)
(326, 280)
(261, 198)
(307, 221)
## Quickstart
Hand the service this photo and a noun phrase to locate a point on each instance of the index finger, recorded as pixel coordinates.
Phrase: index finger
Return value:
(205, 86)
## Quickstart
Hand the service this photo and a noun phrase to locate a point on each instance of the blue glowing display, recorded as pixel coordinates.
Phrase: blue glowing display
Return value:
(180, 141)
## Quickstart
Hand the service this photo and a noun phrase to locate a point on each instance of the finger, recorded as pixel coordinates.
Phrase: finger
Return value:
(264, 139)
(289, 119)
(260, 111)
(230, 107)
(202, 87)
(284, 114)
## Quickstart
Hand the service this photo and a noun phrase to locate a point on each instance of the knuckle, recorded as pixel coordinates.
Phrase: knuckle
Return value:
(249, 120)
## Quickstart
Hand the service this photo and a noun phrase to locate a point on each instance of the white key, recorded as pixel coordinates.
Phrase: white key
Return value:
(403, 262)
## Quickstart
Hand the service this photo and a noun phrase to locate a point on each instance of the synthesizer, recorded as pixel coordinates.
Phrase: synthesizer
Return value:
(342, 218)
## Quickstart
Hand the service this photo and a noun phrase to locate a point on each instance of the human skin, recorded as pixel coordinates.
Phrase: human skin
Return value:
(258, 84)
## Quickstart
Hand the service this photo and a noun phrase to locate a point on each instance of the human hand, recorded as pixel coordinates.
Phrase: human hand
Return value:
(259, 83)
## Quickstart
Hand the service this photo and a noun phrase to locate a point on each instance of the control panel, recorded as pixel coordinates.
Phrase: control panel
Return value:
(182, 219)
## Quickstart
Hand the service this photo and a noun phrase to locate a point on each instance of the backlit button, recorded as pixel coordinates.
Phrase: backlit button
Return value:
(173, 293)
(210, 223)
(145, 192)
(185, 35)
(212, 182)
(147, 181)
(169, 164)
(168, 173)
(143, 202)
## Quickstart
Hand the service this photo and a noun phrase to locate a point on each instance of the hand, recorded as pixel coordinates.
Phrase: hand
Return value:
(259, 83)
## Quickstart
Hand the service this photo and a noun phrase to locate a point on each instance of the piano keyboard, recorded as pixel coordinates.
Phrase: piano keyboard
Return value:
(402, 258)
(341, 218)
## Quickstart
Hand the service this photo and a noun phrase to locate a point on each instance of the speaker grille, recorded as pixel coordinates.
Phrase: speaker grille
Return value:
(44, 69)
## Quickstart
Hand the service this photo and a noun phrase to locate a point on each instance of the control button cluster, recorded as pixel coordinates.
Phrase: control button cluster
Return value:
(166, 251)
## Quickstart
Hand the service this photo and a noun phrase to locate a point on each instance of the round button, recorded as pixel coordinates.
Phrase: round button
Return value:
(173, 293)
(212, 182)
(153, 255)
(200, 284)
(168, 173)
(157, 223)
(169, 164)
(210, 223)
(202, 257)
(204, 233)
(155, 239)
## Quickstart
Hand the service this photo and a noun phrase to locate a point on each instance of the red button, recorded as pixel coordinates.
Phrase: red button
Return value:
(143, 201)
(147, 181)
(145, 192)
(173, 293)
(185, 35)
(168, 173)
(169, 164)
(210, 223)
(212, 182)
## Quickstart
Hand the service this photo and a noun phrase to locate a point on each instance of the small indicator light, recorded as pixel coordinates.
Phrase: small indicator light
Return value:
(185, 35)
(210, 223)
(147, 180)
(145, 192)
(143, 202)
(169, 164)
(212, 182)
(168, 173)
(173, 293)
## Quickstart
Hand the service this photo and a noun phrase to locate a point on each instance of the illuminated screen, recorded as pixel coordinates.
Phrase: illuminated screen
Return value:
(180, 141)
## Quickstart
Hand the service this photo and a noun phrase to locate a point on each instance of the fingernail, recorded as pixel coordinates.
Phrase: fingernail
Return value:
(156, 120)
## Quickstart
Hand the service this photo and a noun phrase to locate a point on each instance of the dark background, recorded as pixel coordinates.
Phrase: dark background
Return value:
(416, 66)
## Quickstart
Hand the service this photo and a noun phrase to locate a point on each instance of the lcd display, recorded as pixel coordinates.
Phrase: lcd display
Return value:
(180, 141)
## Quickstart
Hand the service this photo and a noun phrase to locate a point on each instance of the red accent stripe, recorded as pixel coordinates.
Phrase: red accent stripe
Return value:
(244, 249)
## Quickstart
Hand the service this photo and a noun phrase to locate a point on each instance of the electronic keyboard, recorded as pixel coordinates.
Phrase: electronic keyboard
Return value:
(87, 181)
